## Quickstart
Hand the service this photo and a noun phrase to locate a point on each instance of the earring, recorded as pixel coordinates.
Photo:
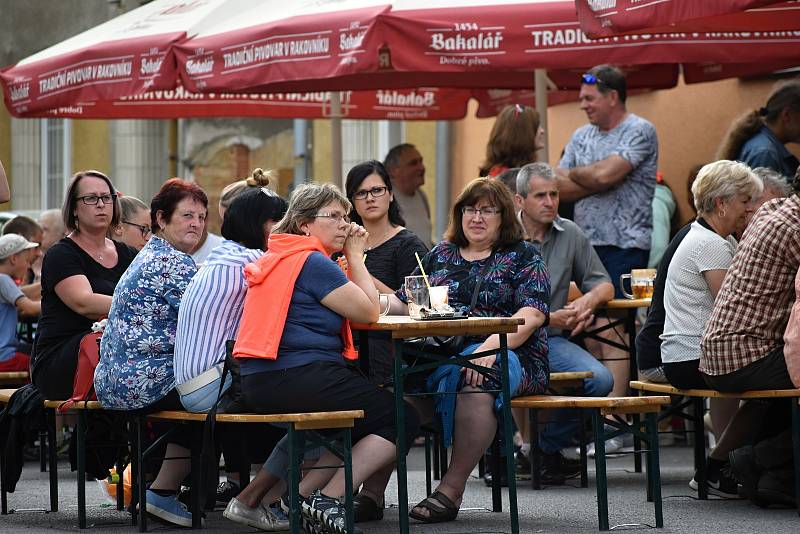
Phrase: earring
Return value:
(308, 234)
(722, 212)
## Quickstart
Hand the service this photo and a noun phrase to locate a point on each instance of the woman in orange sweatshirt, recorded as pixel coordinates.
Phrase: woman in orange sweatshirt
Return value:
(294, 341)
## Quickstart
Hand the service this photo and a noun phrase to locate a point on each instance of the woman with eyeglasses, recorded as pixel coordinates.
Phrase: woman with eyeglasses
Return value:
(513, 141)
(79, 274)
(485, 256)
(294, 340)
(134, 224)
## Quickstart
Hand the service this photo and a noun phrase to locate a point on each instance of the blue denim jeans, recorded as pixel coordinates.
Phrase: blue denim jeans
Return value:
(201, 400)
(566, 356)
(618, 261)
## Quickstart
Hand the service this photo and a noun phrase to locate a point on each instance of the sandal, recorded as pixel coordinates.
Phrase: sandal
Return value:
(366, 509)
(440, 509)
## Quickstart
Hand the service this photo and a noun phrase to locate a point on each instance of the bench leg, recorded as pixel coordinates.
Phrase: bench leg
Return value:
(600, 469)
(50, 415)
(401, 445)
(796, 451)
(348, 481)
(497, 479)
(637, 444)
(141, 487)
(295, 460)
(508, 432)
(437, 462)
(81, 454)
(535, 454)
(196, 477)
(582, 448)
(653, 467)
(132, 437)
(700, 448)
(428, 481)
(42, 451)
(3, 495)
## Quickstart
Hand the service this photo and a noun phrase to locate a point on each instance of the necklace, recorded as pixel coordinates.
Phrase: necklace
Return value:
(380, 240)
(98, 253)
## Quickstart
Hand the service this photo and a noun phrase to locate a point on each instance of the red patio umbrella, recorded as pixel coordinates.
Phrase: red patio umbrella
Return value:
(604, 18)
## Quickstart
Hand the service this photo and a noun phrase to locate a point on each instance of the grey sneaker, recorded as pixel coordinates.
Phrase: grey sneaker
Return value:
(258, 517)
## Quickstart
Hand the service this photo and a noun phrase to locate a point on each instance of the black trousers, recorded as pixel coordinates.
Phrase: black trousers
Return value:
(685, 375)
(767, 373)
(328, 386)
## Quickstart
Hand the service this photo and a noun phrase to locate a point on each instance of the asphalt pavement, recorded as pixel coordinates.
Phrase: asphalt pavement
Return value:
(566, 509)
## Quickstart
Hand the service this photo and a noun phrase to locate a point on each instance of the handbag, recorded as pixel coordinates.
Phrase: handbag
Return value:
(88, 358)
(448, 345)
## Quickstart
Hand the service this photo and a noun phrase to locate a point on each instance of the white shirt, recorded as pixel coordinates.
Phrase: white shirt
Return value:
(688, 302)
(212, 241)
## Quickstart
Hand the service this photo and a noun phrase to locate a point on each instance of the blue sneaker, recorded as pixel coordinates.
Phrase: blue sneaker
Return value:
(169, 509)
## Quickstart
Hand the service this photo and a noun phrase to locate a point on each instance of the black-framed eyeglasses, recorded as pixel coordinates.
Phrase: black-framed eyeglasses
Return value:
(145, 229)
(486, 213)
(375, 192)
(92, 200)
(338, 217)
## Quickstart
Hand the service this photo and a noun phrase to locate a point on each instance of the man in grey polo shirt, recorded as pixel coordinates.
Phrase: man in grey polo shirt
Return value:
(570, 257)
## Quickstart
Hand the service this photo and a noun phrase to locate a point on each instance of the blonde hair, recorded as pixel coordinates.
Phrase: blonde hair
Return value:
(723, 180)
(305, 203)
(259, 178)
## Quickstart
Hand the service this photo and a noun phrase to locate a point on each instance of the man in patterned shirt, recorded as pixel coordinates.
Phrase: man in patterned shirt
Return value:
(609, 170)
(742, 346)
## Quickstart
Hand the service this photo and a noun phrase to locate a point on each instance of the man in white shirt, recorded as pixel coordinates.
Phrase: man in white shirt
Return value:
(407, 173)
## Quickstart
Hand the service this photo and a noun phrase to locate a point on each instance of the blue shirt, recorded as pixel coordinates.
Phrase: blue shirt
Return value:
(203, 327)
(9, 294)
(136, 350)
(622, 215)
(766, 150)
(313, 332)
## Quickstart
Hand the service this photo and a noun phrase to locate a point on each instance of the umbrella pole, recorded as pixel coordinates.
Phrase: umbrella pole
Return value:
(540, 92)
(336, 139)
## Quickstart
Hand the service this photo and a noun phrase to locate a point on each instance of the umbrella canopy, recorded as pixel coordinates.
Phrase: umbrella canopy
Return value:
(604, 18)
(468, 43)
(129, 66)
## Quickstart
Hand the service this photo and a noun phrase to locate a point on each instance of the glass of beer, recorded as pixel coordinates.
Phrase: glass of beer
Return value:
(642, 282)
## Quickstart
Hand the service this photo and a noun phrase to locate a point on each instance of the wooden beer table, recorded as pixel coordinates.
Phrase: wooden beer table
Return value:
(404, 327)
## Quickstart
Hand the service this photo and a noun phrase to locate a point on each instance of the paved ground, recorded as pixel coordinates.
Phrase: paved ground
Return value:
(558, 510)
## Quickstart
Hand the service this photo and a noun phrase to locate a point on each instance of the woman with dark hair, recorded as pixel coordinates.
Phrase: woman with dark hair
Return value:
(79, 274)
(135, 371)
(514, 140)
(203, 329)
(757, 138)
(484, 247)
(390, 246)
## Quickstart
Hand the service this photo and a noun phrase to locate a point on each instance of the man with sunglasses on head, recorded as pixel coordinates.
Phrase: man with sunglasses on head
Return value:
(407, 173)
(609, 171)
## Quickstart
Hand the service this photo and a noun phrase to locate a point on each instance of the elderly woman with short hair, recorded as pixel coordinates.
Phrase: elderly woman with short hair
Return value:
(485, 242)
(294, 339)
(724, 194)
(136, 367)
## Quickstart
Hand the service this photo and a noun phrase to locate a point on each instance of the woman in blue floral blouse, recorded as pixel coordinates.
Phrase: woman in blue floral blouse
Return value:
(485, 240)
(135, 371)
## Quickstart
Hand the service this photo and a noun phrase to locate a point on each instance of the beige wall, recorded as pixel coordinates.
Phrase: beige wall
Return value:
(690, 121)
(90, 146)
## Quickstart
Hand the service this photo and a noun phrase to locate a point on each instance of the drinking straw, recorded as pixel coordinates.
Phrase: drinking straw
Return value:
(422, 270)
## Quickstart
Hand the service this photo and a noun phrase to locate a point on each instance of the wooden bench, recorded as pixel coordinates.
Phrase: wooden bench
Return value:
(607, 411)
(696, 398)
(299, 427)
(14, 378)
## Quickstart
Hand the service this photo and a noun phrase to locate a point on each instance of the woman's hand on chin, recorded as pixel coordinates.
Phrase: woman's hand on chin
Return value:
(356, 241)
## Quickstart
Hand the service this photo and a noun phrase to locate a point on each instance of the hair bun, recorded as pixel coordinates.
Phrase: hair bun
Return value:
(260, 178)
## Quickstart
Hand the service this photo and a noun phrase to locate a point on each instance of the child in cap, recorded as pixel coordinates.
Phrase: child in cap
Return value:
(16, 256)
